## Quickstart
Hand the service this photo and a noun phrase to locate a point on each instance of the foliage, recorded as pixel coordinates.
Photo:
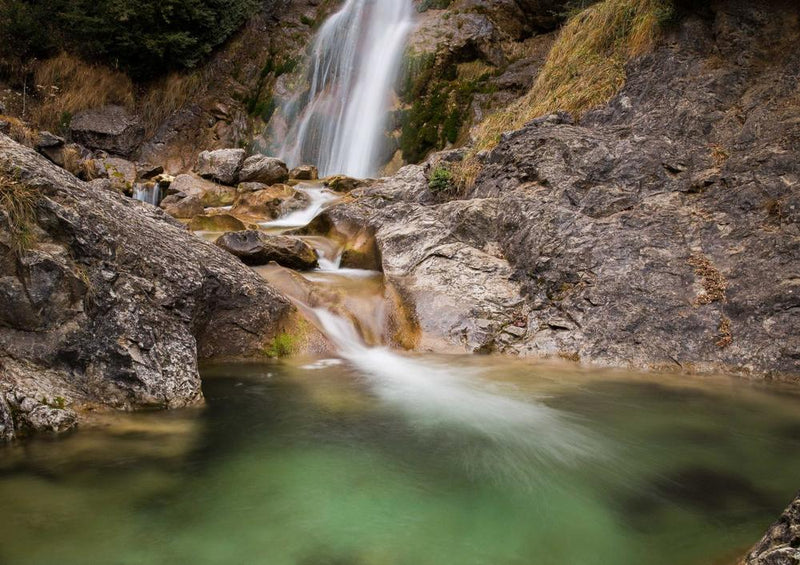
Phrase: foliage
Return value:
(440, 100)
(426, 5)
(440, 180)
(142, 37)
(18, 201)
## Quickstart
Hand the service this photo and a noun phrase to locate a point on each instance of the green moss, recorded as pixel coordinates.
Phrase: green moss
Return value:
(282, 345)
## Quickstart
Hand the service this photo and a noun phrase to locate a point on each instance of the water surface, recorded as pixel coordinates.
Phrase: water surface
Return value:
(315, 464)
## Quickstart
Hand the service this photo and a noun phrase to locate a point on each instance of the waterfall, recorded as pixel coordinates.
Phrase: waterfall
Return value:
(148, 193)
(339, 123)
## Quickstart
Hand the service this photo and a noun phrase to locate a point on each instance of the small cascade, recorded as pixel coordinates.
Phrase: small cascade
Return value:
(339, 123)
(319, 197)
(349, 307)
(150, 193)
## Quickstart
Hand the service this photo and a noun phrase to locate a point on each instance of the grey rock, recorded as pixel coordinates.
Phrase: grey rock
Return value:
(258, 248)
(111, 128)
(147, 171)
(48, 140)
(222, 165)
(267, 170)
(781, 544)
(123, 303)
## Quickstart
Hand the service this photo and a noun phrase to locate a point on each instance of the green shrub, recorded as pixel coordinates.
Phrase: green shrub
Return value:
(440, 180)
(143, 37)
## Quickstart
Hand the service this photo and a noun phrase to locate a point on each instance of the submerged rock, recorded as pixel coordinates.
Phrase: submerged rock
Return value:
(263, 169)
(258, 248)
(222, 165)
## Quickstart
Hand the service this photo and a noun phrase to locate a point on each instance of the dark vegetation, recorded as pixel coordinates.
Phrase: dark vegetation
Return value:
(144, 38)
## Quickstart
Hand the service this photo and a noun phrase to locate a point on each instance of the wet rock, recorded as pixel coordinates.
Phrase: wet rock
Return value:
(341, 183)
(258, 248)
(216, 223)
(110, 129)
(244, 187)
(222, 165)
(210, 193)
(181, 205)
(781, 544)
(112, 315)
(270, 203)
(263, 169)
(304, 172)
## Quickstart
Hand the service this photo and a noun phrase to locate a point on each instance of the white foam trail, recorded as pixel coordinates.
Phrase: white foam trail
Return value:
(354, 62)
(437, 395)
(319, 198)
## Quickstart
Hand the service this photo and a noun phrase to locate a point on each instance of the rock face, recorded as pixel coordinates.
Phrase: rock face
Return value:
(222, 165)
(781, 544)
(258, 248)
(119, 301)
(263, 169)
(111, 129)
(639, 236)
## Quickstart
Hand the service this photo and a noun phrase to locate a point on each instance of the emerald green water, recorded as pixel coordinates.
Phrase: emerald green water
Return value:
(294, 465)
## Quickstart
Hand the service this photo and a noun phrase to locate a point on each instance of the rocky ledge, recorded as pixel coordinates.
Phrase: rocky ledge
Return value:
(108, 301)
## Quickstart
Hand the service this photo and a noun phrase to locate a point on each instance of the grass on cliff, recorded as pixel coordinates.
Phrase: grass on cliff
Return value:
(18, 201)
(67, 85)
(586, 65)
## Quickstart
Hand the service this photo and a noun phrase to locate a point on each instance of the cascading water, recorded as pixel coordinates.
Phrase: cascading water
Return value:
(339, 123)
(148, 193)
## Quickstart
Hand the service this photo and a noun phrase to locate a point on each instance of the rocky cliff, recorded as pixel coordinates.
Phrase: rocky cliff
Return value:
(109, 301)
(659, 230)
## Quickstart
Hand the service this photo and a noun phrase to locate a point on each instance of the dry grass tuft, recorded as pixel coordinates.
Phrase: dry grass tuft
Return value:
(21, 133)
(724, 335)
(18, 201)
(586, 65)
(714, 283)
(68, 85)
(167, 95)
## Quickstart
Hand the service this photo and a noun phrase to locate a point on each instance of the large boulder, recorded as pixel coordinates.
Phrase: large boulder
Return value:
(110, 128)
(211, 194)
(267, 170)
(258, 248)
(222, 165)
(111, 302)
(270, 202)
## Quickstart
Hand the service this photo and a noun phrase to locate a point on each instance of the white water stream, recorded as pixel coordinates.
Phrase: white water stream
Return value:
(339, 124)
